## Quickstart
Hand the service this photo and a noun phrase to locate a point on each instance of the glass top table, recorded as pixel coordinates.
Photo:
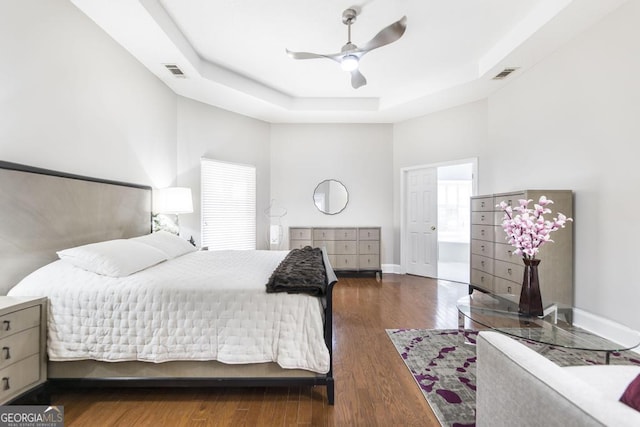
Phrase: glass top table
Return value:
(555, 327)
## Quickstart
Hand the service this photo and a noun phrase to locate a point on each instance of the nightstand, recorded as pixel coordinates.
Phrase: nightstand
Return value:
(23, 367)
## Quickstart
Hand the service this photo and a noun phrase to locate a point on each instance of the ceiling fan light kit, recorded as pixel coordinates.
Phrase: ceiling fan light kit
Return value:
(350, 54)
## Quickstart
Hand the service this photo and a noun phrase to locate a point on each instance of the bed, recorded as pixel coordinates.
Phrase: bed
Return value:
(189, 318)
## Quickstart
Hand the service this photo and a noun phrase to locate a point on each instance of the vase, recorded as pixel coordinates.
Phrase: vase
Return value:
(530, 298)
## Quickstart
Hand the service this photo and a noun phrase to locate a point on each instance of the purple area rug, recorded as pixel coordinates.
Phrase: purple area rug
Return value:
(443, 364)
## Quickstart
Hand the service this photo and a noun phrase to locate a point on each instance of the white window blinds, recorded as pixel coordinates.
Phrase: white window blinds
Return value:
(228, 205)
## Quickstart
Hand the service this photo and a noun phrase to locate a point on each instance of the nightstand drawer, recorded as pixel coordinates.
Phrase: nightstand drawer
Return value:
(17, 378)
(19, 346)
(19, 320)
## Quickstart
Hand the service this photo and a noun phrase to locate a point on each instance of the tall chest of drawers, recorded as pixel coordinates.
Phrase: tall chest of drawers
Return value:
(494, 267)
(22, 346)
(349, 248)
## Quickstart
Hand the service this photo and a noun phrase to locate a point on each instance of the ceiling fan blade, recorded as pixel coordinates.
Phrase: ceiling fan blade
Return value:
(310, 55)
(357, 79)
(387, 35)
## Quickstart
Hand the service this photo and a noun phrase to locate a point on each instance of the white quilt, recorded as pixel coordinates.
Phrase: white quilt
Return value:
(206, 305)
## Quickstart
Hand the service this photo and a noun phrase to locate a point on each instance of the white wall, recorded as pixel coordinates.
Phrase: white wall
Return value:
(572, 122)
(206, 131)
(73, 100)
(454, 134)
(358, 155)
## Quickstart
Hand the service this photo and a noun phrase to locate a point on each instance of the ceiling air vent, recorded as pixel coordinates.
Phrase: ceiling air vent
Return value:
(175, 70)
(504, 73)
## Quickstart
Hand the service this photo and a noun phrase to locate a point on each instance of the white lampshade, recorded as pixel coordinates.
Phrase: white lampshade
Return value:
(172, 200)
(349, 62)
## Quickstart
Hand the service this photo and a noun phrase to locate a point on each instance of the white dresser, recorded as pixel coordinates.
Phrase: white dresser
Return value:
(22, 346)
(354, 249)
(495, 269)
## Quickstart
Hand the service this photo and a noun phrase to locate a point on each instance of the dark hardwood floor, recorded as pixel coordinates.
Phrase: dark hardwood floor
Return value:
(373, 386)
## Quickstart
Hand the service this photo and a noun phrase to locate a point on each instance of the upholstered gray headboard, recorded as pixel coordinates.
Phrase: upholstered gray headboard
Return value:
(43, 211)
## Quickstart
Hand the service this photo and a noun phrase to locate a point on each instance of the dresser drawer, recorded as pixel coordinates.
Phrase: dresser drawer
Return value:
(18, 377)
(482, 204)
(504, 286)
(18, 346)
(300, 233)
(504, 252)
(369, 262)
(509, 271)
(482, 280)
(20, 320)
(482, 218)
(336, 247)
(369, 247)
(335, 234)
(369, 234)
(299, 244)
(512, 199)
(481, 247)
(482, 232)
(482, 263)
(344, 262)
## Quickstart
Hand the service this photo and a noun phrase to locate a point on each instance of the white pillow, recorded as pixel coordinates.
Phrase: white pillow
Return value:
(114, 258)
(167, 243)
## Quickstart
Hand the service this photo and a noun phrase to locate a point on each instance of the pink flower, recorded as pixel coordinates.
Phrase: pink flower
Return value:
(528, 230)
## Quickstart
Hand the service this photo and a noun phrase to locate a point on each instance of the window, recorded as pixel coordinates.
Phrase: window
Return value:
(228, 205)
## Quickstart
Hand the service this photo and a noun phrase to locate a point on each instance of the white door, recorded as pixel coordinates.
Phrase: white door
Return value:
(421, 235)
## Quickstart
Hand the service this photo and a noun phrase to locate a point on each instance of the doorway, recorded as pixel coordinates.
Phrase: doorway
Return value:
(435, 219)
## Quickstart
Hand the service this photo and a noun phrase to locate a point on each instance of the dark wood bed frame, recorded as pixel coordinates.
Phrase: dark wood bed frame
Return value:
(43, 211)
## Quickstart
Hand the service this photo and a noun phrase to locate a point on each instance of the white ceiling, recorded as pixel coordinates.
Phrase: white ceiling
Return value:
(233, 51)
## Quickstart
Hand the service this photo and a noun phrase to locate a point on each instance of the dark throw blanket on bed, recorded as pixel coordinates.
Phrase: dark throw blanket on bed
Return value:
(301, 271)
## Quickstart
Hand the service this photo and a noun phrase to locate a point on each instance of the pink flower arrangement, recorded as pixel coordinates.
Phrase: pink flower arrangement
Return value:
(527, 231)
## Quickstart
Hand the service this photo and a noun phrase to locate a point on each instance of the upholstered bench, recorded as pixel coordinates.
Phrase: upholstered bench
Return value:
(517, 386)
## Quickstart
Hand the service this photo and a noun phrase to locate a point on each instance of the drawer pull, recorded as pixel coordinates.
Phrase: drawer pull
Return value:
(345, 234)
(481, 278)
(482, 218)
(510, 253)
(482, 204)
(482, 248)
(5, 383)
(7, 325)
(509, 271)
(482, 232)
(7, 353)
(368, 234)
(368, 247)
(508, 289)
(482, 263)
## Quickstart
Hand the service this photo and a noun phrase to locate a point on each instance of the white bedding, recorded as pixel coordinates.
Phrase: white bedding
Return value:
(206, 305)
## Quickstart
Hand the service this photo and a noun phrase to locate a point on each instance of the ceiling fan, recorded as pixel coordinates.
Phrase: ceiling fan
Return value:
(350, 54)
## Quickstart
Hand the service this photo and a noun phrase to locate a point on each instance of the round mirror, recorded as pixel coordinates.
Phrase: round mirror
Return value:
(330, 197)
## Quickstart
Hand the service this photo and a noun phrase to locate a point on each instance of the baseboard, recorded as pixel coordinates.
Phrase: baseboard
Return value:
(391, 268)
(605, 328)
